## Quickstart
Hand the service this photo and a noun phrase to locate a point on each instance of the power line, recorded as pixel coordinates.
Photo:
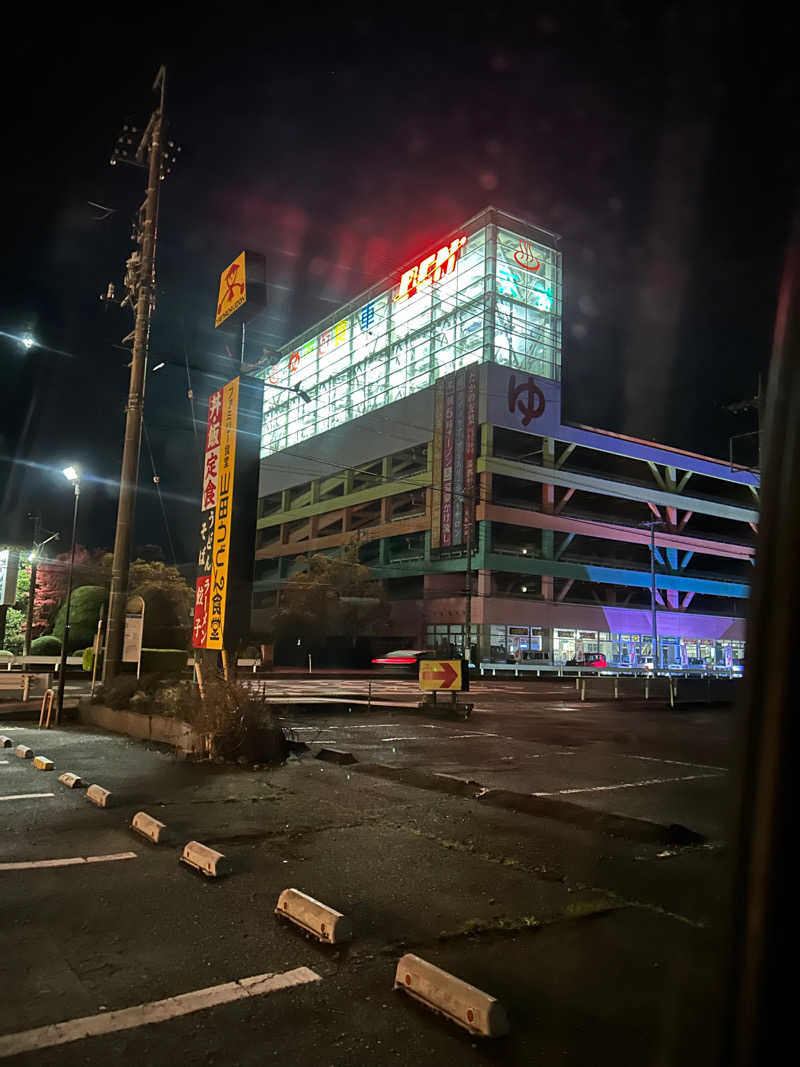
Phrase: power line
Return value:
(157, 483)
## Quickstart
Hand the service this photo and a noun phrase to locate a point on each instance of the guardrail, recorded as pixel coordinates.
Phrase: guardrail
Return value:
(50, 662)
(562, 671)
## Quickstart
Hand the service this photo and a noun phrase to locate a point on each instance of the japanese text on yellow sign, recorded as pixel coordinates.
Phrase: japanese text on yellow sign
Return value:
(222, 524)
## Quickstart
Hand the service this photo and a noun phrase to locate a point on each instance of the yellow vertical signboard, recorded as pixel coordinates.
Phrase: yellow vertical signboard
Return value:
(232, 289)
(223, 515)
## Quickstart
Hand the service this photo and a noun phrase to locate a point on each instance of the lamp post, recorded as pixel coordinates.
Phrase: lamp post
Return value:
(72, 475)
(652, 526)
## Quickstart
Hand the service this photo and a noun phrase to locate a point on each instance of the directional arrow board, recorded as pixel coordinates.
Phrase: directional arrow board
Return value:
(440, 674)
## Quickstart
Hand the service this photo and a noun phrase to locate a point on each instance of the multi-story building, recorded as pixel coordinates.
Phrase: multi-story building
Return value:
(434, 421)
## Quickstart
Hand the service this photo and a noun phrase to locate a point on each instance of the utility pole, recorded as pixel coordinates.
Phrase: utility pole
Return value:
(139, 282)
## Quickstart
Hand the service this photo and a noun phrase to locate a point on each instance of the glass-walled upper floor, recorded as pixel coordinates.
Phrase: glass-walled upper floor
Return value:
(490, 294)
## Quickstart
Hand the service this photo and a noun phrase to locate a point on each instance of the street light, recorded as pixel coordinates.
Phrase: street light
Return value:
(72, 475)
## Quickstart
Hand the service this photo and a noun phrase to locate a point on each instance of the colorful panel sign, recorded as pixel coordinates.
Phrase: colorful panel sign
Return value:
(454, 453)
(227, 515)
(242, 289)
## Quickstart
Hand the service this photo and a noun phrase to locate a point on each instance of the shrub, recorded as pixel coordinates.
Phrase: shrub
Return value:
(85, 604)
(117, 694)
(240, 723)
(49, 645)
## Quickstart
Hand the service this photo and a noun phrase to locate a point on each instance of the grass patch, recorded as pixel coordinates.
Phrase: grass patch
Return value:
(497, 925)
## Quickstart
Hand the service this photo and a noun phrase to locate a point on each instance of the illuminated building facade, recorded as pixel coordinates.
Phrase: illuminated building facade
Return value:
(434, 418)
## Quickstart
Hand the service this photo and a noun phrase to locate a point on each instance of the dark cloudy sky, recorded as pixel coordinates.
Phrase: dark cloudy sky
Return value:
(659, 141)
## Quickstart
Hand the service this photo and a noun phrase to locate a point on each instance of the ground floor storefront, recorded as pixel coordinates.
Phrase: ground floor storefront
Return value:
(549, 645)
(505, 630)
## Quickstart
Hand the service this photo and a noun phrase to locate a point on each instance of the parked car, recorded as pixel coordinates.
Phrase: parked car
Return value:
(588, 659)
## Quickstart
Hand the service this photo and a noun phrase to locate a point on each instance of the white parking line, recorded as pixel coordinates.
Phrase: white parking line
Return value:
(26, 796)
(156, 1011)
(626, 785)
(70, 861)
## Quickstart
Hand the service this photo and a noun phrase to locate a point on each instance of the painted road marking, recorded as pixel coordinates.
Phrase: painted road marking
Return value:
(676, 762)
(156, 1011)
(626, 785)
(367, 726)
(70, 861)
(457, 737)
(26, 796)
(402, 739)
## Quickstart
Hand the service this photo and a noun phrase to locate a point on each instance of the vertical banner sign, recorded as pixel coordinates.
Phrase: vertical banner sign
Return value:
(228, 515)
(455, 428)
(447, 461)
(222, 521)
(458, 462)
(436, 487)
(471, 432)
(208, 511)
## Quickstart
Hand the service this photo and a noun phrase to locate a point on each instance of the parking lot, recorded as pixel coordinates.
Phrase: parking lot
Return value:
(601, 941)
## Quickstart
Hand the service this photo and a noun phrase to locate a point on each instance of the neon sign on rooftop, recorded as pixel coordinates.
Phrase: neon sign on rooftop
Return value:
(430, 269)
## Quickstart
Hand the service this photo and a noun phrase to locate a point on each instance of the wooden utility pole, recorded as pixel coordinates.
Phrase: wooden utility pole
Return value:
(140, 285)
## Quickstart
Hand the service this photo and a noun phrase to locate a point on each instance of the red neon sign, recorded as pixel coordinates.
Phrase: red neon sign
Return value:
(430, 269)
(525, 256)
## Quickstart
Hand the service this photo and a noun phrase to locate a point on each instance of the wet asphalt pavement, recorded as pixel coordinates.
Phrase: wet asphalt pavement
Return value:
(602, 942)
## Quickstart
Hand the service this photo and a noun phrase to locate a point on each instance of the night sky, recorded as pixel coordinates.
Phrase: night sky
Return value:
(662, 145)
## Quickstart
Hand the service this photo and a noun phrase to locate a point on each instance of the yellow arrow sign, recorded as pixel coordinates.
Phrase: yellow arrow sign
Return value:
(440, 674)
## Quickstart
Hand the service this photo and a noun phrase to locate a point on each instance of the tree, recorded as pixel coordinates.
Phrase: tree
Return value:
(15, 619)
(168, 600)
(332, 596)
(51, 584)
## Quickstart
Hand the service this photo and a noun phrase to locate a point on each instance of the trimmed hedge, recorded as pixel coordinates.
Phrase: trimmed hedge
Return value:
(161, 661)
(45, 646)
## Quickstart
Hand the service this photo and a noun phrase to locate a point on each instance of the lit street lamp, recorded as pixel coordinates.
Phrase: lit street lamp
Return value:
(72, 475)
